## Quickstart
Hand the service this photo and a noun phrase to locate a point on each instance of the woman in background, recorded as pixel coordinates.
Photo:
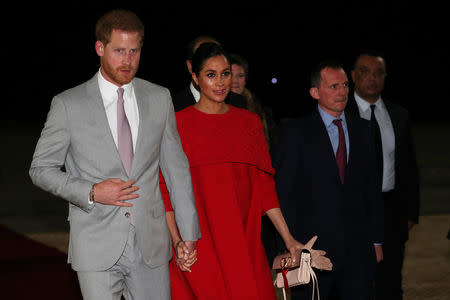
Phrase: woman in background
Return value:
(239, 70)
(232, 176)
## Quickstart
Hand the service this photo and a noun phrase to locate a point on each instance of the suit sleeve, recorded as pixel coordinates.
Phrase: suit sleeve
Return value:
(164, 193)
(285, 166)
(175, 169)
(49, 158)
(409, 185)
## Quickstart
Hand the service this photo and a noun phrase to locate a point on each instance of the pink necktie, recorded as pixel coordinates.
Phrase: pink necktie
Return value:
(124, 139)
(341, 153)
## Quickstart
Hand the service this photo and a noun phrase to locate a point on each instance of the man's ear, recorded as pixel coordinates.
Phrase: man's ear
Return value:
(99, 48)
(314, 92)
(353, 75)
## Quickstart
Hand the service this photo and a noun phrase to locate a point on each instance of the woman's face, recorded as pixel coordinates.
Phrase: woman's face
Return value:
(238, 79)
(214, 79)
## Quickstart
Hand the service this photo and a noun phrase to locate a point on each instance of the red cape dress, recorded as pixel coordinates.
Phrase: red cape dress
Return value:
(232, 177)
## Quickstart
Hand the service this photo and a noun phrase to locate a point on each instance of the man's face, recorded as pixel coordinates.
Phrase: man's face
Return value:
(119, 59)
(368, 77)
(332, 94)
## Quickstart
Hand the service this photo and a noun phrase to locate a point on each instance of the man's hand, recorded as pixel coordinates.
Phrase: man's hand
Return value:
(185, 258)
(191, 245)
(115, 191)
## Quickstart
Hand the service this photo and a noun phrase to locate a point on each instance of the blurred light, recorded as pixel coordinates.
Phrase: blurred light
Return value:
(274, 80)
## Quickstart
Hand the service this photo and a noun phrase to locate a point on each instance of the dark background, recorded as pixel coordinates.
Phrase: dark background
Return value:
(48, 49)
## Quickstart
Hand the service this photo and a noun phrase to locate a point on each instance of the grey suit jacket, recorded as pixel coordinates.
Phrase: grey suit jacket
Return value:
(77, 136)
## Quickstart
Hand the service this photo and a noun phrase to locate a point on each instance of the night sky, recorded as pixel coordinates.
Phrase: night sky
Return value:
(50, 49)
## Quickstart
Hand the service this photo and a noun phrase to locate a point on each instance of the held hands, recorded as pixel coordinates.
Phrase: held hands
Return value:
(185, 254)
(115, 191)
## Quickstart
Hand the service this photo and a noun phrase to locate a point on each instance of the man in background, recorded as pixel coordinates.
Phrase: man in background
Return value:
(327, 186)
(397, 167)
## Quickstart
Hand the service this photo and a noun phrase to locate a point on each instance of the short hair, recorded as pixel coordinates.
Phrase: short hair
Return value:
(316, 77)
(236, 59)
(191, 44)
(204, 52)
(369, 52)
(118, 19)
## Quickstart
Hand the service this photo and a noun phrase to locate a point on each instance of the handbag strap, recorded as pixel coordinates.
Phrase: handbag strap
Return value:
(315, 284)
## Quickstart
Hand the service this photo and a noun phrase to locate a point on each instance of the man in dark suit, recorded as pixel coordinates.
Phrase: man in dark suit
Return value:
(399, 174)
(190, 95)
(327, 186)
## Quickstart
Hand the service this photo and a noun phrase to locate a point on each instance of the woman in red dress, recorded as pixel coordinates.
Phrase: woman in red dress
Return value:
(233, 184)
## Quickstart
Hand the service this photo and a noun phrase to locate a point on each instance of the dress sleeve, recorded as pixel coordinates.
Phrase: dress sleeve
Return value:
(265, 171)
(269, 198)
(164, 193)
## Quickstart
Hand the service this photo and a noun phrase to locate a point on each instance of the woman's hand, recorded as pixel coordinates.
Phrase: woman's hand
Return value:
(294, 248)
(183, 257)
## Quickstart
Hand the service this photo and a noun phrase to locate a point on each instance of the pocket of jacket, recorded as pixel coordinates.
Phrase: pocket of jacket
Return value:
(158, 210)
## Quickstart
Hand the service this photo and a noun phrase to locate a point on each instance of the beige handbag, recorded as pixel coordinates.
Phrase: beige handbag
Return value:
(292, 273)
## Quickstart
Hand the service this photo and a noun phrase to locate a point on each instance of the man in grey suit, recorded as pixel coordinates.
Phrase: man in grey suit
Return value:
(112, 134)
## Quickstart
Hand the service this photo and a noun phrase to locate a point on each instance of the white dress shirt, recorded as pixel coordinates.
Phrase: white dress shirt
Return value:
(333, 131)
(109, 94)
(387, 138)
(195, 92)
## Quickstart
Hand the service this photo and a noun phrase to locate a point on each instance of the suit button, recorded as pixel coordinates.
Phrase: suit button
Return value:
(127, 214)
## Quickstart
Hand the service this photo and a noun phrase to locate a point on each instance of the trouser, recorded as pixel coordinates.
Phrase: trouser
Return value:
(388, 276)
(129, 276)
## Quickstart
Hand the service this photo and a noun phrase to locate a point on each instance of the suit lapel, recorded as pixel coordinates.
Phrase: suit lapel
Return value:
(351, 128)
(97, 109)
(396, 123)
(394, 119)
(143, 107)
(324, 144)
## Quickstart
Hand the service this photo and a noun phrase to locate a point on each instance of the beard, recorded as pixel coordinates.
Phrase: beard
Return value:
(117, 76)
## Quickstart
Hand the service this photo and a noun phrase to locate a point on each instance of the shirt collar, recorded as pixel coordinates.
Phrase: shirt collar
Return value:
(364, 105)
(194, 92)
(328, 119)
(108, 89)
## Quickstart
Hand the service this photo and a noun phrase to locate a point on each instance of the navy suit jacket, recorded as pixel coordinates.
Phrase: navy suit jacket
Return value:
(407, 194)
(346, 217)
